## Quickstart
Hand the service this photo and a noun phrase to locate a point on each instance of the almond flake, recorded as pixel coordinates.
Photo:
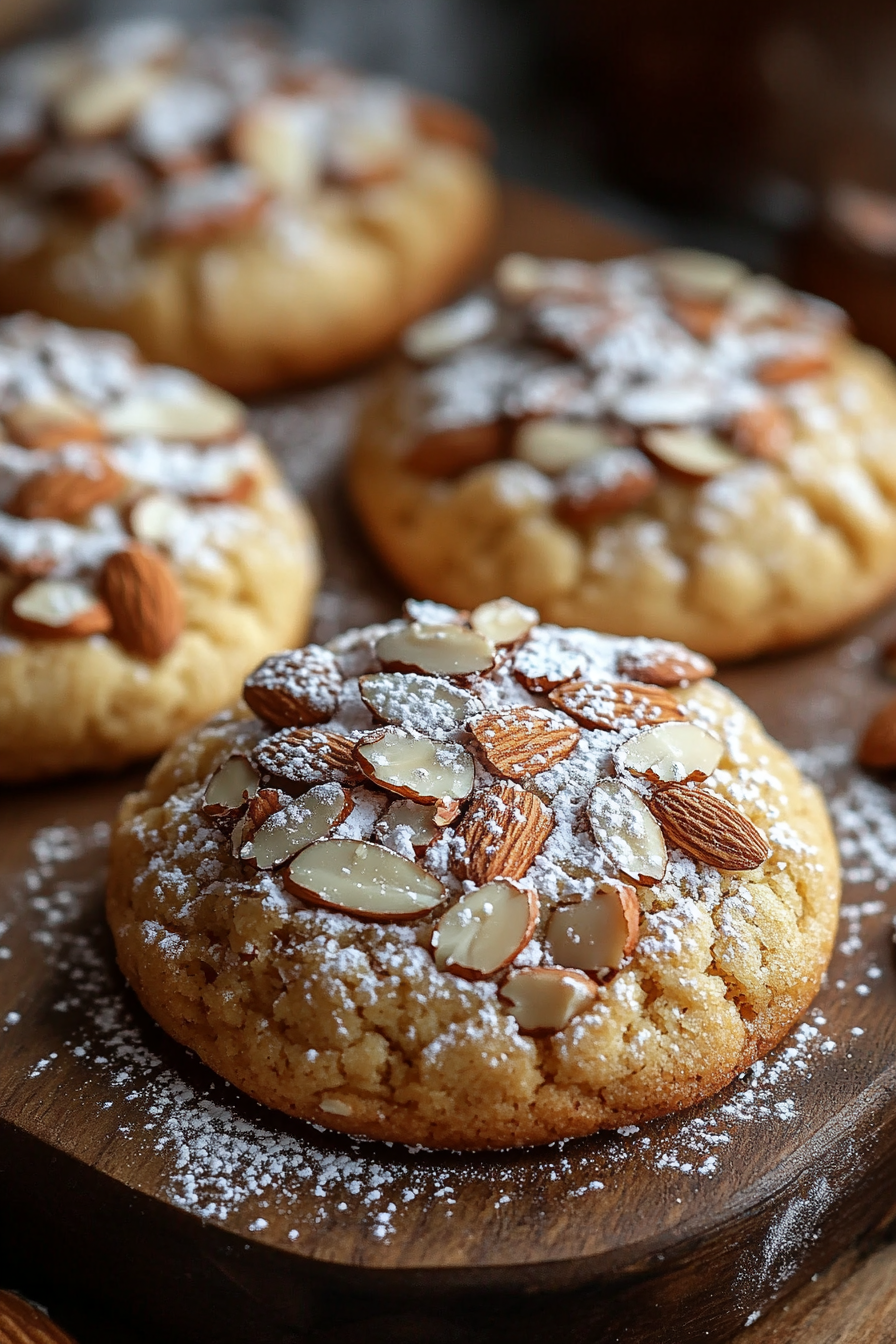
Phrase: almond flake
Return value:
(660, 663)
(189, 410)
(158, 519)
(308, 756)
(612, 705)
(451, 452)
(231, 786)
(598, 934)
(486, 930)
(439, 334)
(52, 423)
(425, 612)
(282, 139)
(260, 807)
(407, 826)
(691, 273)
(763, 431)
(519, 741)
(700, 317)
(547, 998)
(295, 824)
(295, 689)
(690, 455)
(541, 664)
(144, 598)
(57, 609)
(65, 492)
(502, 833)
(414, 766)
(362, 879)
(627, 832)
(609, 483)
(672, 753)
(503, 621)
(552, 446)
(707, 827)
(793, 368)
(423, 704)
(440, 650)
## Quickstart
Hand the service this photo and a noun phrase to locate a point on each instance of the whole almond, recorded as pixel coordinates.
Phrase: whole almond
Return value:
(611, 705)
(143, 596)
(21, 1323)
(519, 741)
(707, 827)
(295, 689)
(877, 750)
(664, 664)
(450, 452)
(308, 756)
(66, 493)
(502, 833)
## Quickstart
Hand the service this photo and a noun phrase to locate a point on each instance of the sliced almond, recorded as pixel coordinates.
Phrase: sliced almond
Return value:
(604, 485)
(547, 998)
(503, 621)
(877, 749)
(440, 650)
(612, 705)
(542, 662)
(271, 841)
(707, 827)
(793, 368)
(66, 492)
(671, 753)
(57, 609)
(197, 207)
(359, 878)
(662, 663)
(439, 334)
(308, 756)
(158, 518)
(295, 689)
(415, 766)
(502, 833)
(451, 452)
(260, 808)
(691, 273)
(425, 612)
(105, 103)
(52, 423)
(520, 278)
(423, 704)
(110, 190)
(486, 930)
(763, 431)
(519, 741)
(598, 934)
(700, 317)
(144, 598)
(406, 825)
(437, 119)
(626, 830)
(188, 410)
(231, 786)
(690, 454)
(552, 446)
(282, 139)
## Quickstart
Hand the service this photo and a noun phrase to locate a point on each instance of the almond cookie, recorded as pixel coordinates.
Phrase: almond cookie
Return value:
(471, 881)
(150, 553)
(253, 214)
(664, 445)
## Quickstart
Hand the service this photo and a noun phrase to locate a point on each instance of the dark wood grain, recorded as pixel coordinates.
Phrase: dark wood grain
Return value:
(681, 1231)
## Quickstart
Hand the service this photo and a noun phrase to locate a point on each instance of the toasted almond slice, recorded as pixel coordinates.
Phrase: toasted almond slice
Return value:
(282, 139)
(425, 612)
(105, 102)
(437, 119)
(359, 878)
(558, 396)
(269, 842)
(57, 609)
(158, 518)
(308, 756)
(502, 833)
(520, 277)
(662, 663)
(190, 410)
(423, 704)
(612, 705)
(440, 650)
(407, 825)
(707, 827)
(552, 446)
(877, 749)
(626, 830)
(695, 274)
(690, 454)
(52, 423)
(520, 741)
(486, 930)
(296, 688)
(700, 317)
(228, 791)
(414, 766)
(197, 207)
(540, 664)
(144, 598)
(547, 998)
(671, 753)
(260, 808)
(503, 621)
(603, 485)
(439, 334)
(451, 452)
(66, 492)
(763, 431)
(793, 368)
(598, 934)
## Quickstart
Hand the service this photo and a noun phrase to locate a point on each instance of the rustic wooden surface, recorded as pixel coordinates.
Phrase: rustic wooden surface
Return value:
(682, 1231)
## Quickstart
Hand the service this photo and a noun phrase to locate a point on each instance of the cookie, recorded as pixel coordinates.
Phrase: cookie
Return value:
(255, 215)
(477, 884)
(150, 552)
(663, 445)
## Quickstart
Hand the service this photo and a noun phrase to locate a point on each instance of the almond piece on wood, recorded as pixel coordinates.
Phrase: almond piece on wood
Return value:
(363, 879)
(502, 833)
(604, 485)
(308, 756)
(877, 750)
(553, 446)
(671, 753)
(690, 455)
(228, 791)
(66, 492)
(52, 423)
(546, 998)
(184, 409)
(295, 689)
(440, 650)
(793, 368)
(763, 431)
(612, 705)
(437, 119)
(486, 930)
(699, 317)
(423, 704)
(143, 595)
(627, 831)
(439, 334)
(451, 452)
(519, 741)
(661, 663)
(57, 609)
(707, 827)
(259, 808)
(503, 621)
(694, 274)
(598, 934)
(21, 1323)
(414, 766)
(292, 826)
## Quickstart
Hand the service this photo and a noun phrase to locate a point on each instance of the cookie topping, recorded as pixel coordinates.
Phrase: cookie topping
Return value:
(297, 689)
(670, 753)
(486, 930)
(502, 833)
(708, 828)
(292, 825)
(228, 791)
(365, 879)
(520, 742)
(612, 705)
(416, 767)
(625, 827)
(423, 704)
(546, 998)
(597, 935)
(442, 650)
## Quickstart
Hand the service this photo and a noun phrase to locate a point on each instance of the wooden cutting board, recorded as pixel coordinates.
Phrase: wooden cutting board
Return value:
(130, 1173)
